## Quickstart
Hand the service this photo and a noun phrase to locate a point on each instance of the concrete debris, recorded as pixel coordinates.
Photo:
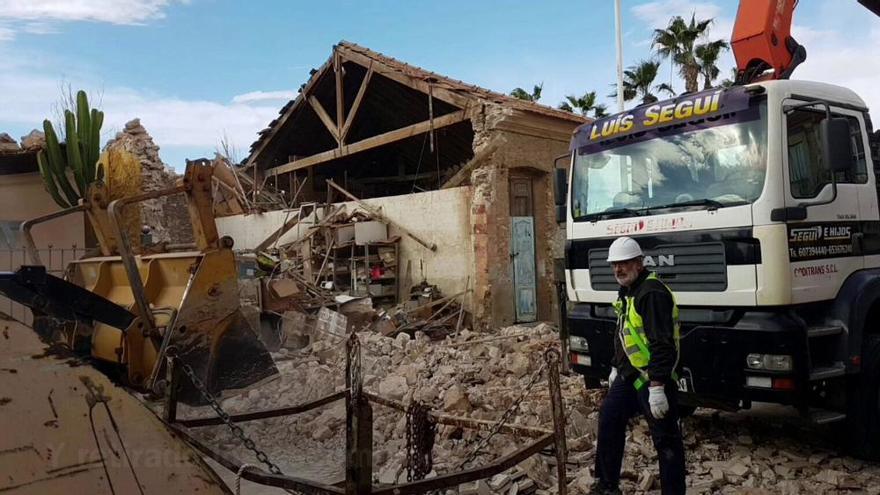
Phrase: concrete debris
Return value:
(646, 480)
(8, 144)
(480, 376)
(34, 141)
(393, 387)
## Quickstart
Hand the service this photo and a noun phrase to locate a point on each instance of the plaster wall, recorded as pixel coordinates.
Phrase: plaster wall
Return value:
(438, 217)
(22, 197)
(249, 230)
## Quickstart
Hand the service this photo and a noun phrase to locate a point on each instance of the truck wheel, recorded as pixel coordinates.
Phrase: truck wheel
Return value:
(591, 383)
(686, 411)
(863, 404)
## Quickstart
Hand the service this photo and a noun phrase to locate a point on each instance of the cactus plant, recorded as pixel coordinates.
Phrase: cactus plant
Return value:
(79, 155)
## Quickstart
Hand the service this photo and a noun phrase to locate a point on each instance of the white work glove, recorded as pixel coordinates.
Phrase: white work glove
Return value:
(612, 376)
(658, 402)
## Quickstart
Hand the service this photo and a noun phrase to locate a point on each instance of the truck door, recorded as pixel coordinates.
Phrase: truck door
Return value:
(823, 247)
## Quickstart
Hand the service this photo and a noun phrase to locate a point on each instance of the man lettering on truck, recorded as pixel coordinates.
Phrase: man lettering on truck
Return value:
(643, 377)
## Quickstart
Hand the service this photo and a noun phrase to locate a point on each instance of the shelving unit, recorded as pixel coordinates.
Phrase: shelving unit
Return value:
(385, 287)
(350, 267)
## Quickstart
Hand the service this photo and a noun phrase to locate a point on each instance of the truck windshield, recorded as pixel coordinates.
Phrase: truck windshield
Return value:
(712, 167)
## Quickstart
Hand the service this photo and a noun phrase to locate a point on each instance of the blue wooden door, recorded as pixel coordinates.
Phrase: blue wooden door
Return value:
(523, 253)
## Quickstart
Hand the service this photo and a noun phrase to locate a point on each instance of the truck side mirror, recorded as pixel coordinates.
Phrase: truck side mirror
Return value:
(560, 189)
(838, 144)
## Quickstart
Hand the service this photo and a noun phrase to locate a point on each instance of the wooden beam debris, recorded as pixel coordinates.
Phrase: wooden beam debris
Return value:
(372, 142)
(274, 236)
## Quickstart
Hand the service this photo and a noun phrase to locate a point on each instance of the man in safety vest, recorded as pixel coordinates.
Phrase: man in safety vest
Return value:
(643, 377)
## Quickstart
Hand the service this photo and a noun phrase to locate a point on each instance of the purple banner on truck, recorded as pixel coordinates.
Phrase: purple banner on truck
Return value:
(695, 111)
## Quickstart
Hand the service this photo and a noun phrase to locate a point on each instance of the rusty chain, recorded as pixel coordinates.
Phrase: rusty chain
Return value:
(354, 378)
(237, 431)
(420, 434)
(505, 417)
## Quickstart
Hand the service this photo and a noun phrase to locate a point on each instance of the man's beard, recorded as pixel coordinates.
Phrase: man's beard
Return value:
(626, 280)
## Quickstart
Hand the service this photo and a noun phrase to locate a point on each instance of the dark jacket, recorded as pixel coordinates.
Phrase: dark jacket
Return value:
(654, 303)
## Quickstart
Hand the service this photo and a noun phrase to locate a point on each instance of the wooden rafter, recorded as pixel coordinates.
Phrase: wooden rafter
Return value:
(282, 120)
(325, 118)
(372, 142)
(340, 97)
(356, 105)
(440, 93)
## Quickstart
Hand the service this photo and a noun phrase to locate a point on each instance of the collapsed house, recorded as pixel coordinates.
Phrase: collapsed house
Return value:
(464, 170)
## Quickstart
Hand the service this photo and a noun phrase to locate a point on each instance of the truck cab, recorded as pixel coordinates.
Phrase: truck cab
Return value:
(758, 206)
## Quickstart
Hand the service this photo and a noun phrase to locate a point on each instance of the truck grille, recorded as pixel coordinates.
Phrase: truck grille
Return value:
(699, 267)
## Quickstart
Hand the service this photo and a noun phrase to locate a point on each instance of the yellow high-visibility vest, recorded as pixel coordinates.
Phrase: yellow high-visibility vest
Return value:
(631, 331)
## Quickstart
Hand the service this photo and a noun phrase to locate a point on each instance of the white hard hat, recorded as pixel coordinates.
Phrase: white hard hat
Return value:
(623, 249)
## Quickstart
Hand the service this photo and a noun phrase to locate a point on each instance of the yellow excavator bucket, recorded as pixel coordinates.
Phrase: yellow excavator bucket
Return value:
(128, 309)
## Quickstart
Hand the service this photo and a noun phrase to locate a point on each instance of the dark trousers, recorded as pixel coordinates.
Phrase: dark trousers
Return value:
(622, 403)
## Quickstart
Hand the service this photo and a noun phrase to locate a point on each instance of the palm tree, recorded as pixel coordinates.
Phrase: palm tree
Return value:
(522, 94)
(677, 43)
(732, 81)
(638, 81)
(707, 55)
(585, 104)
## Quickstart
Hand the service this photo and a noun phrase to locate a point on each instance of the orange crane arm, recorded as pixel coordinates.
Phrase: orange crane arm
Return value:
(762, 39)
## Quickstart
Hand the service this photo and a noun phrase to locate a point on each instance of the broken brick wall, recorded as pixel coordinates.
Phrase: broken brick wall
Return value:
(167, 217)
(521, 156)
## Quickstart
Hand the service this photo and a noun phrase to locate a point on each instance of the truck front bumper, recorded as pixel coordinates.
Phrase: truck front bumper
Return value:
(714, 349)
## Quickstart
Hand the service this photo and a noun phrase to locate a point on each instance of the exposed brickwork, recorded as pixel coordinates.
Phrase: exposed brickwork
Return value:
(521, 156)
(167, 217)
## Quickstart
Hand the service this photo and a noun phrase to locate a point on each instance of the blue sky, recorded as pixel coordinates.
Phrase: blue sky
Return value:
(195, 71)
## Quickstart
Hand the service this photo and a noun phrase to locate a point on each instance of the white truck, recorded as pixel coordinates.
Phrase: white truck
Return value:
(758, 206)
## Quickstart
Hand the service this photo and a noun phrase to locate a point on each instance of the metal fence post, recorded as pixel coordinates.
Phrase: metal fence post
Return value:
(358, 427)
(171, 391)
(552, 356)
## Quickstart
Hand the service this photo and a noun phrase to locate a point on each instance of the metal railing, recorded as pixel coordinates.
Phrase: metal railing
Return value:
(55, 260)
(359, 436)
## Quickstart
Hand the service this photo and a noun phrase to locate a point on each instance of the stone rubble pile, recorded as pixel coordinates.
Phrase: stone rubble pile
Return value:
(479, 376)
(34, 141)
(8, 144)
(166, 217)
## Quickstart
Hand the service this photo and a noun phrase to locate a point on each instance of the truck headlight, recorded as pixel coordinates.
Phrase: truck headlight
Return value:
(769, 362)
(578, 344)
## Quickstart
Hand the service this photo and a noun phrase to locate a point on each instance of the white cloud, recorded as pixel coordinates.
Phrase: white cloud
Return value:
(112, 11)
(657, 13)
(808, 36)
(6, 33)
(41, 17)
(850, 65)
(40, 28)
(182, 128)
(831, 55)
(264, 96)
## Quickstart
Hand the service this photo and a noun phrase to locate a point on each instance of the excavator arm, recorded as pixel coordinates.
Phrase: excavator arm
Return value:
(762, 43)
